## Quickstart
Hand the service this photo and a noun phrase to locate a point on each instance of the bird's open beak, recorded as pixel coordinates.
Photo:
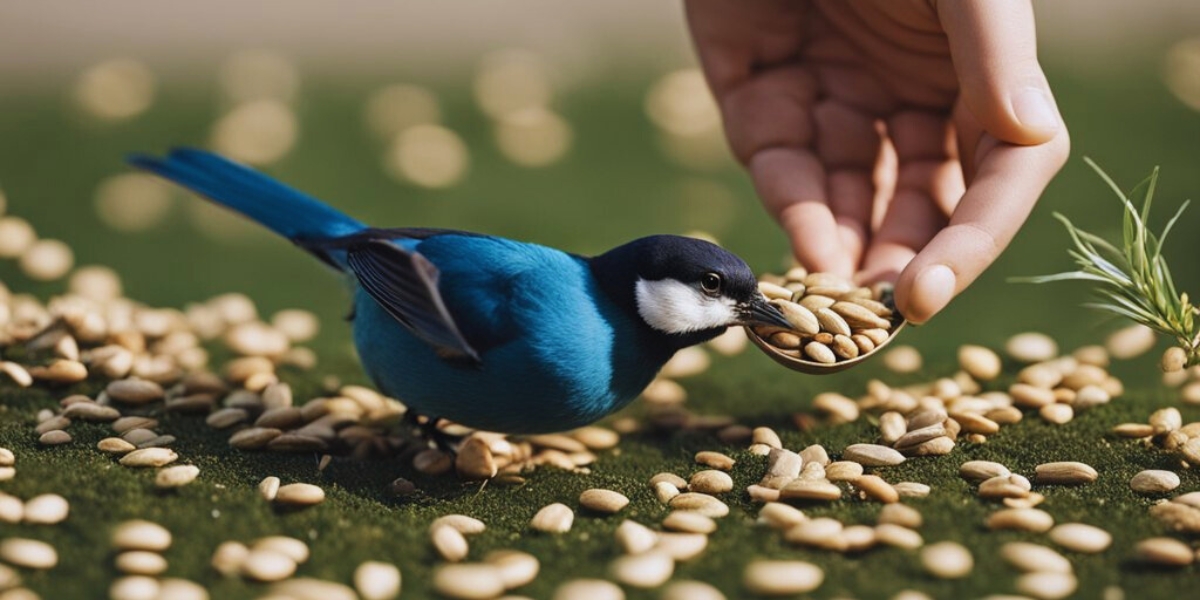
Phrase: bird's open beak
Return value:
(761, 312)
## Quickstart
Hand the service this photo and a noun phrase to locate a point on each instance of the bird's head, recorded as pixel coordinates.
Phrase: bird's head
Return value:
(685, 287)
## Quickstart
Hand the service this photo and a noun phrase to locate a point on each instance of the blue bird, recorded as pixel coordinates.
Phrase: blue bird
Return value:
(493, 333)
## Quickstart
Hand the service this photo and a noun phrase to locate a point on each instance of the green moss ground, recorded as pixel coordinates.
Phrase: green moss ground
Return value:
(614, 186)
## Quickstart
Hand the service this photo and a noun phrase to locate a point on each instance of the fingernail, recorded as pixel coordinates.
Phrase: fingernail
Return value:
(932, 291)
(1034, 109)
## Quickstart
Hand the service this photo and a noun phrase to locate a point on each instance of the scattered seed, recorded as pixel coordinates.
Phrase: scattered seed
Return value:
(980, 470)
(819, 490)
(689, 522)
(1153, 481)
(1065, 473)
(1029, 558)
(1045, 585)
(90, 411)
(226, 417)
(1022, 519)
(449, 543)
(46, 509)
(299, 494)
(1031, 347)
(979, 362)
(587, 589)
(149, 457)
(141, 562)
(839, 408)
(141, 535)
(634, 537)
(947, 560)
(134, 587)
(54, 437)
(553, 518)
(376, 580)
(645, 570)
(464, 524)
(229, 557)
(902, 515)
(173, 477)
(843, 470)
(1166, 420)
(715, 460)
(710, 482)
(60, 371)
(782, 577)
(911, 489)
(900, 537)
(253, 438)
(134, 391)
(290, 547)
(1164, 551)
(17, 373)
(174, 588)
(604, 501)
(12, 510)
(1130, 342)
(475, 460)
(28, 554)
(780, 516)
(701, 503)
(1080, 537)
(665, 492)
(268, 565)
(691, 590)
(872, 455)
(1004, 486)
(476, 581)
(877, 489)
(822, 532)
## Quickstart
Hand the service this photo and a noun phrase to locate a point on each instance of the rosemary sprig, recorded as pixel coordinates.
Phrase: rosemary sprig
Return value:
(1133, 280)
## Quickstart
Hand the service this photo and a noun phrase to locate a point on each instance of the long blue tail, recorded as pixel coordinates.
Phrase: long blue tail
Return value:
(284, 210)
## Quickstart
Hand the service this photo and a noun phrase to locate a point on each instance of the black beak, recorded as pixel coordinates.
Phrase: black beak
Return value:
(761, 312)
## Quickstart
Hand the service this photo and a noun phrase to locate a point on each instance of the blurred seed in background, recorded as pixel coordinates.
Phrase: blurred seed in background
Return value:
(511, 80)
(257, 132)
(133, 201)
(533, 137)
(116, 90)
(429, 156)
(1182, 71)
(689, 123)
(394, 108)
(258, 74)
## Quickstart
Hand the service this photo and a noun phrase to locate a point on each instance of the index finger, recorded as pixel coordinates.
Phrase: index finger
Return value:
(1008, 181)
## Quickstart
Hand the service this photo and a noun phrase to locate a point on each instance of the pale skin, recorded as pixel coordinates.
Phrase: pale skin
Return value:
(893, 140)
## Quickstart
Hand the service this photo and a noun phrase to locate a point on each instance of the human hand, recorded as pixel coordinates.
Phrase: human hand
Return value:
(901, 140)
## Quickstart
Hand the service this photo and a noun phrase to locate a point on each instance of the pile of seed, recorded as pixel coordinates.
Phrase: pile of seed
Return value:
(832, 319)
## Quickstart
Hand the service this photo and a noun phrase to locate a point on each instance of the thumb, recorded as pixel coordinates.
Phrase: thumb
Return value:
(994, 48)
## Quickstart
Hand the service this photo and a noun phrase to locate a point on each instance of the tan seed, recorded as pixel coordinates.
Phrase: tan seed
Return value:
(1031, 347)
(268, 565)
(691, 590)
(54, 437)
(1021, 519)
(1025, 395)
(912, 489)
(634, 537)
(844, 347)
(290, 547)
(877, 489)
(872, 455)
(516, 568)
(141, 535)
(141, 562)
(646, 570)
(820, 352)
(765, 435)
(16, 373)
(1154, 481)
(134, 391)
(900, 537)
(900, 359)
(588, 589)
(149, 457)
(60, 371)
(12, 510)
(832, 322)
(173, 477)
(858, 316)
(802, 319)
(665, 492)
(226, 417)
(837, 407)
(1004, 486)
(299, 494)
(553, 518)
(449, 543)
(710, 482)
(806, 489)
(980, 470)
(475, 460)
(1130, 342)
(1065, 473)
(715, 460)
(603, 501)
(1029, 558)
(1047, 585)
(891, 426)
(477, 581)
(174, 588)
(464, 524)
(90, 411)
(1080, 537)
(1165, 420)
(947, 560)
(1164, 551)
(1058, 414)
(308, 588)
(782, 577)
(980, 362)
(701, 503)
(843, 470)
(815, 454)
(902, 515)
(28, 554)
(774, 291)
(7, 458)
(46, 509)
(134, 587)
(689, 522)
(229, 557)
(376, 580)
(253, 438)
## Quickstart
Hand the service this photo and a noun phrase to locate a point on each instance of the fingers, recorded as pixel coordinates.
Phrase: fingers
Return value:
(994, 47)
(848, 144)
(1007, 184)
(928, 182)
(791, 183)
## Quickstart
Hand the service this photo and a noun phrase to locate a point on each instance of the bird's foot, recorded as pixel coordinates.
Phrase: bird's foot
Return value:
(428, 428)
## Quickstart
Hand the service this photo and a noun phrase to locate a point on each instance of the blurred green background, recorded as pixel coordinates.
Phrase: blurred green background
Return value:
(614, 183)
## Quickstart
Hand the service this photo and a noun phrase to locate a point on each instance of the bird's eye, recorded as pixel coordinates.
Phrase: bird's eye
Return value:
(710, 283)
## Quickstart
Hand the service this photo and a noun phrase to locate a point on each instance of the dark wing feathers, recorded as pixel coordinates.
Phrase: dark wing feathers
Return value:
(405, 284)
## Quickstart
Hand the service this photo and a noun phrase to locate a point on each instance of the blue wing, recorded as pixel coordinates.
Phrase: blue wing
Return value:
(405, 284)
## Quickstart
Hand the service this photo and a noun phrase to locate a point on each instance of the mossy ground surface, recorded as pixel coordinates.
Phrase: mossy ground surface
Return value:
(614, 186)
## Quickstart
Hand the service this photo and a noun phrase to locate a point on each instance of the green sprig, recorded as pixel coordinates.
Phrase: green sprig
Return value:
(1133, 281)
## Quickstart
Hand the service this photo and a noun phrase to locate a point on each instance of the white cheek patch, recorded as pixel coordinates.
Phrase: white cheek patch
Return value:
(672, 306)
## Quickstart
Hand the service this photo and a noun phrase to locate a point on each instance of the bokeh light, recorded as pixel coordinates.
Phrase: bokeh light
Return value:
(1182, 72)
(511, 80)
(427, 155)
(116, 90)
(132, 201)
(258, 132)
(259, 75)
(533, 137)
(16, 236)
(47, 260)
(397, 107)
